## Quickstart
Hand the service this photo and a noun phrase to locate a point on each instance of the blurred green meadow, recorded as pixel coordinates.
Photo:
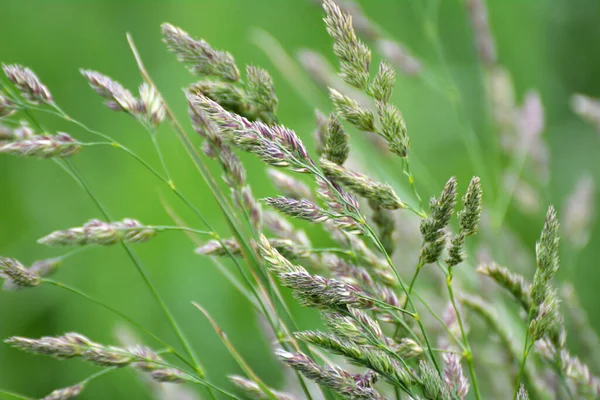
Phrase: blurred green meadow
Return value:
(548, 45)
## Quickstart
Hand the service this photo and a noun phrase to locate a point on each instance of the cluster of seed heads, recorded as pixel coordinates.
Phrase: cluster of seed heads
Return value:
(96, 232)
(355, 287)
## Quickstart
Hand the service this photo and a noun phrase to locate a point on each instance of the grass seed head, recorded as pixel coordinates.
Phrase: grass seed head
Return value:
(16, 275)
(60, 145)
(354, 55)
(383, 84)
(168, 375)
(337, 142)
(362, 185)
(522, 394)
(117, 97)
(349, 109)
(261, 91)
(486, 48)
(453, 375)
(150, 106)
(199, 56)
(470, 216)
(393, 129)
(30, 86)
(514, 283)
(100, 233)
(65, 393)
(7, 107)
(302, 209)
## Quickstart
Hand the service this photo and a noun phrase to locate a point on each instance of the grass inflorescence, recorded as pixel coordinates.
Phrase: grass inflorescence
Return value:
(383, 335)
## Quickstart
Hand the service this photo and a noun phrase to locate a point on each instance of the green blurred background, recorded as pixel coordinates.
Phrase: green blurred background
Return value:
(550, 45)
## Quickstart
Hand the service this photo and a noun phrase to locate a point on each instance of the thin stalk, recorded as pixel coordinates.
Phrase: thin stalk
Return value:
(282, 339)
(333, 250)
(417, 318)
(180, 228)
(245, 247)
(453, 95)
(220, 266)
(468, 352)
(60, 113)
(234, 353)
(170, 184)
(160, 155)
(79, 179)
(413, 280)
(14, 395)
(389, 306)
(506, 196)
(526, 349)
(375, 341)
(142, 271)
(116, 312)
(441, 321)
(563, 381)
(373, 236)
(411, 181)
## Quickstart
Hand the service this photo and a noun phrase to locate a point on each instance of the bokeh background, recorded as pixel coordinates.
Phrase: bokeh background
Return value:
(548, 45)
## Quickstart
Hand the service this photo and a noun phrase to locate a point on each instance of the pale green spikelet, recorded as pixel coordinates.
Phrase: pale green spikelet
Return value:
(442, 208)
(468, 222)
(337, 143)
(547, 258)
(393, 129)
(433, 385)
(151, 108)
(362, 118)
(230, 96)
(406, 348)
(362, 185)
(261, 92)
(354, 55)
(383, 84)
(470, 215)
(514, 283)
(432, 229)
(456, 252)
(321, 132)
(548, 321)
